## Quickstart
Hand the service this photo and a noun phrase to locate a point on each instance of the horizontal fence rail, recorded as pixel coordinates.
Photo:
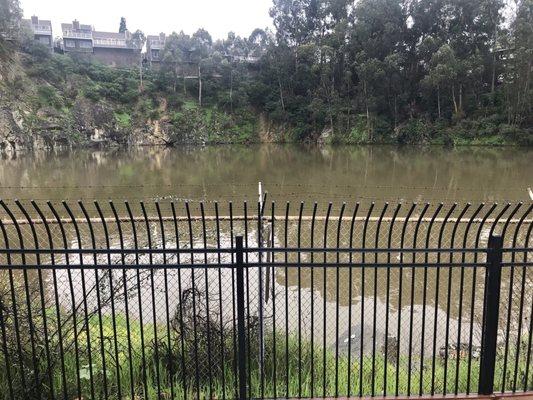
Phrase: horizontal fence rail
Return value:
(172, 300)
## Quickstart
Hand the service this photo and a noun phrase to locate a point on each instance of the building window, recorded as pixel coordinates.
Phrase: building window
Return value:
(44, 40)
(85, 45)
(70, 43)
(155, 53)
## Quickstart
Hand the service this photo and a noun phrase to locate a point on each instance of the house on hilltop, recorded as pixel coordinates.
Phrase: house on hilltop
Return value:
(154, 47)
(77, 37)
(110, 48)
(115, 49)
(42, 31)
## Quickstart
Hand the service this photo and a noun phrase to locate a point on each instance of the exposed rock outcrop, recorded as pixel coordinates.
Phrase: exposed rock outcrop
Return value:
(43, 108)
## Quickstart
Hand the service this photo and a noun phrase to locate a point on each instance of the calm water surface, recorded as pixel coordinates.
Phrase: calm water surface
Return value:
(289, 172)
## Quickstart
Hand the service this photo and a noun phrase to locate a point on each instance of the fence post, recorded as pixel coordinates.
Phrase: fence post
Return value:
(239, 266)
(489, 334)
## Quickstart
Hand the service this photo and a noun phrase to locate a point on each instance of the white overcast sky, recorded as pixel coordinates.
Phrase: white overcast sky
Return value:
(154, 16)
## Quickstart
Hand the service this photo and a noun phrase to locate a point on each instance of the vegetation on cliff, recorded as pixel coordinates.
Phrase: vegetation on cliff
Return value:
(50, 99)
(446, 71)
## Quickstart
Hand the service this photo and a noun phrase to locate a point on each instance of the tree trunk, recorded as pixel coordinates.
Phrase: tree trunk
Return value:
(231, 88)
(454, 100)
(199, 86)
(523, 106)
(461, 99)
(367, 118)
(331, 119)
(367, 111)
(395, 111)
(494, 44)
(438, 100)
(281, 94)
(493, 81)
(508, 101)
(330, 113)
(141, 71)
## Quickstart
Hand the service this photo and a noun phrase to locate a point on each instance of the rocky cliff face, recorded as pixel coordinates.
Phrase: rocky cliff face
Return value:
(29, 122)
(47, 128)
(88, 125)
(42, 111)
(85, 124)
(270, 132)
(12, 137)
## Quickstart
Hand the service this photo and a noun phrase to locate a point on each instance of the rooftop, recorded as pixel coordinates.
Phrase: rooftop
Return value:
(34, 20)
(70, 27)
(40, 26)
(161, 36)
(108, 35)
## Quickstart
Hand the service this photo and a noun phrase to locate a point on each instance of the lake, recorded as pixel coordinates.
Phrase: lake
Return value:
(289, 173)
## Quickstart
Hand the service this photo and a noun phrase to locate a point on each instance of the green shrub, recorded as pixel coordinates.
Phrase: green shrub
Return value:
(175, 101)
(414, 131)
(123, 119)
(189, 105)
(359, 132)
(511, 133)
(93, 92)
(39, 52)
(49, 97)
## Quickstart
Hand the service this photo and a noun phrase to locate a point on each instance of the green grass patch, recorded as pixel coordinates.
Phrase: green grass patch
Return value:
(120, 357)
(48, 96)
(123, 119)
(189, 105)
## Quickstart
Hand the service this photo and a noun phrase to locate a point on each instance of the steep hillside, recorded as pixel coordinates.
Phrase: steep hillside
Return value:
(53, 100)
(50, 100)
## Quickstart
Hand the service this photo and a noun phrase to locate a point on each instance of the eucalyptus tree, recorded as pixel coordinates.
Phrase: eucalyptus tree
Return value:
(297, 21)
(10, 18)
(137, 41)
(518, 56)
(175, 54)
(200, 52)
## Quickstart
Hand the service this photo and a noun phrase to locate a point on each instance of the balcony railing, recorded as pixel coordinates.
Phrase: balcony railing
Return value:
(77, 35)
(110, 42)
(42, 29)
(157, 44)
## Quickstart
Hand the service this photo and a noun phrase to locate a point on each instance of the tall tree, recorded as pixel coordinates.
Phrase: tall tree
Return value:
(122, 28)
(10, 17)
(175, 55)
(201, 48)
(298, 21)
(137, 41)
(519, 59)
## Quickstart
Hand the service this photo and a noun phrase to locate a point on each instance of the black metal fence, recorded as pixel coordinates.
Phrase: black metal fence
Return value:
(168, 300)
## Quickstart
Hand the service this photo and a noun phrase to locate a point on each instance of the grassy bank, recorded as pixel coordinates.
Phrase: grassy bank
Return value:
(136, 362)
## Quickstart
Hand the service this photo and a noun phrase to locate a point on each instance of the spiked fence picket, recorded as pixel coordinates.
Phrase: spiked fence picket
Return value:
(141, 300)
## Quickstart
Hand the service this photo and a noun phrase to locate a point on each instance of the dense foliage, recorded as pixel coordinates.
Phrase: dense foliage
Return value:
(407, 71)
(10, 16)
(379, 70)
